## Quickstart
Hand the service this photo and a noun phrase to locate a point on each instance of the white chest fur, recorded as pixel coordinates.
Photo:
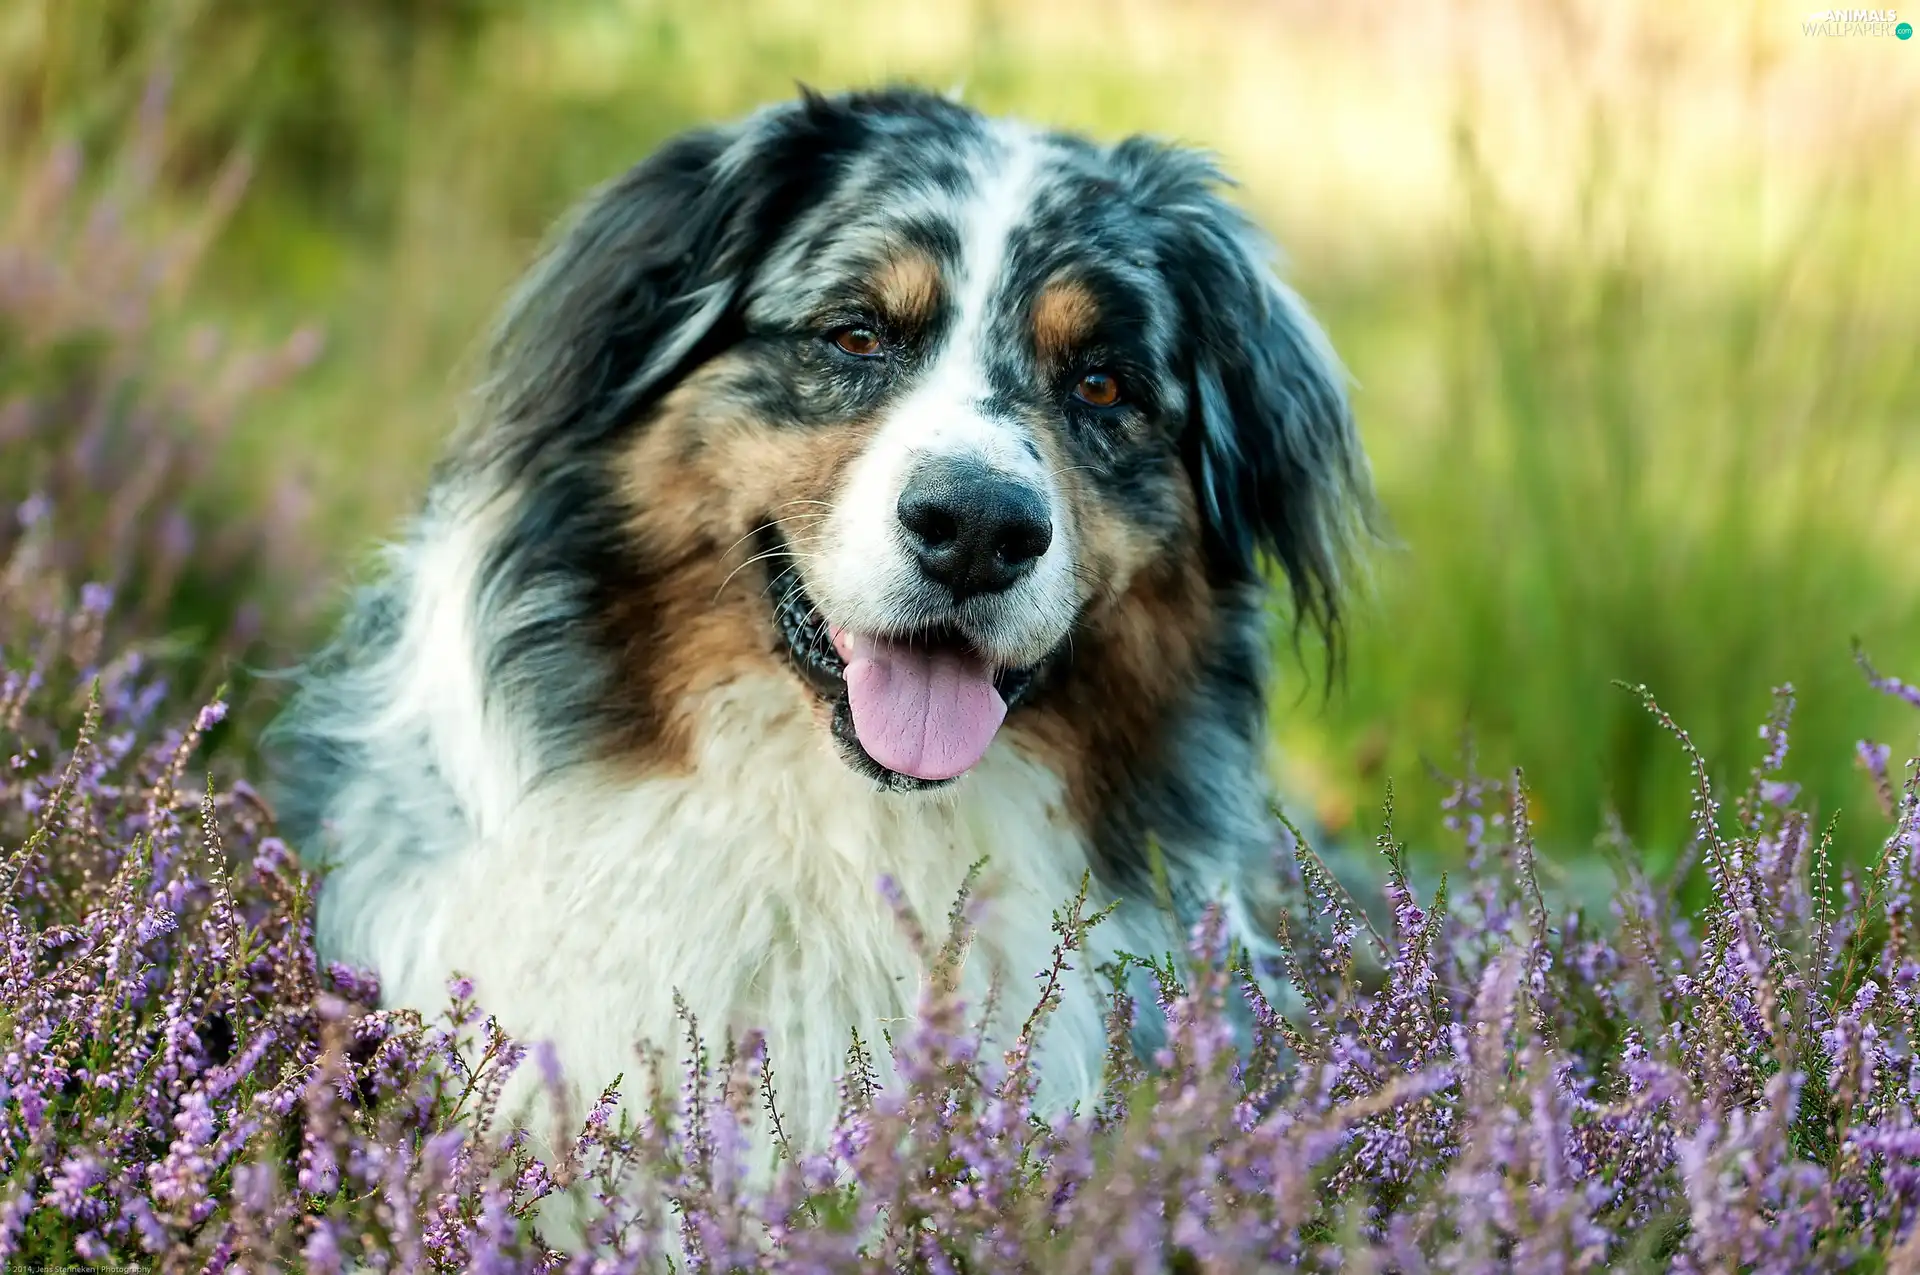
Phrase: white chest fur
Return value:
(750, 887)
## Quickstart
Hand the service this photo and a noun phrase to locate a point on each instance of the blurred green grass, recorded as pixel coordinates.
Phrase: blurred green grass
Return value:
(1626, 290)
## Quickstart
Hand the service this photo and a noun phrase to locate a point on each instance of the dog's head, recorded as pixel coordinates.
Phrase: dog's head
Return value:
(930, 391)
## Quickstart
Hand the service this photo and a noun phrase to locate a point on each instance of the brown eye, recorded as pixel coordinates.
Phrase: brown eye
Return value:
(1098, 389)
(862, 343)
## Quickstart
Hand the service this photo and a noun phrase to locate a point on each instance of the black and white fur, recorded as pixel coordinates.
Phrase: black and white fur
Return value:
(471, 759)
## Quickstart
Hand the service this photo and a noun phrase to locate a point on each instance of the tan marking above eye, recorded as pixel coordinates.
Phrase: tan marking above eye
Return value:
(1098, 389)
(907, 288)
(1064, 315)
(861, 342)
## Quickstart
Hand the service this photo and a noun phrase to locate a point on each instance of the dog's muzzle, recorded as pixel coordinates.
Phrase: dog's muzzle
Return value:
(808, 641)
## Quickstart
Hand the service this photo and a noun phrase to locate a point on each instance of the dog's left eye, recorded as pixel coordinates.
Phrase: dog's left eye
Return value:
(862, 343)
(1098, 389)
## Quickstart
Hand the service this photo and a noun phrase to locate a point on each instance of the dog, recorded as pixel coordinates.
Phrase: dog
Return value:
(862, 490)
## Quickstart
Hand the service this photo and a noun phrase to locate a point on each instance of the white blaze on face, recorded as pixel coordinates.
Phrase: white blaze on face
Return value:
(864, 575)
(933, 714)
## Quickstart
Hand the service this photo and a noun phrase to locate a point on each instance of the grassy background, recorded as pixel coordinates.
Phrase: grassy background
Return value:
(1628, 290)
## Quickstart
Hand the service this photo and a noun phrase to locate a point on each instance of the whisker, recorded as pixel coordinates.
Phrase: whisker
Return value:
(785, 551)
(809, 518)
(736, 544)
(759, 557)
(797, 587)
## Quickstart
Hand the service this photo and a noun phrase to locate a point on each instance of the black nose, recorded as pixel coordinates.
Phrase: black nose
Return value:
(972, 529)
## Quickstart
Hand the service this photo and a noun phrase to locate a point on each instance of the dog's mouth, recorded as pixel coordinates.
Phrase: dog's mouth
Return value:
(913, 709)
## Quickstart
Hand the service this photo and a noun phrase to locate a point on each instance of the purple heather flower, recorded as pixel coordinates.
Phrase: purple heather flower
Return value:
(68, 1190)
(33, 510)
(1887, 685)
(1496, 1082)
(321, 1252)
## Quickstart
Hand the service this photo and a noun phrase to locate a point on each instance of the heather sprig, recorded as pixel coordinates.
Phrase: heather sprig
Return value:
(118, 411)
(1494, 1081)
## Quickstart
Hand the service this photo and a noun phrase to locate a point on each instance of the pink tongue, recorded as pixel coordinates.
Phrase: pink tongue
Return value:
(928, 714)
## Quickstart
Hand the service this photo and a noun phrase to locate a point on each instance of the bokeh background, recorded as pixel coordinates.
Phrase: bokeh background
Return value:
(1630, 292)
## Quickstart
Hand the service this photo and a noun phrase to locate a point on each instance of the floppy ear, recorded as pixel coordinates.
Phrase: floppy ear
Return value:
(1270, 442)
(644, 274)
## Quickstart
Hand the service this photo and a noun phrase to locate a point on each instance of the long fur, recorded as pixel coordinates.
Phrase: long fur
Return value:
(555, 747)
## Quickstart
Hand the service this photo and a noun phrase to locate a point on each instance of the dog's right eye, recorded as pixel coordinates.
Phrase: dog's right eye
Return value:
(862, 343)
